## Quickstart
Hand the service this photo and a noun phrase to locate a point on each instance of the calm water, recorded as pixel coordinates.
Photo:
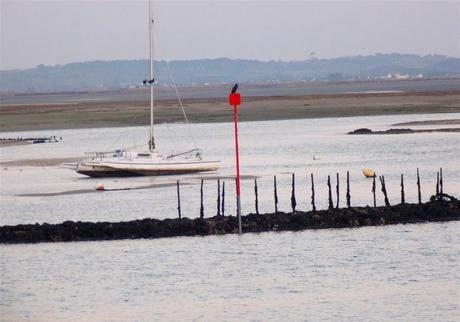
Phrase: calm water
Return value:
(396, 273)
(393, 273)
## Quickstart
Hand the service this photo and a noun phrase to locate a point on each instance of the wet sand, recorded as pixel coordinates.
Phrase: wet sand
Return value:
(165, 183)
(13, 142)
(94, 114)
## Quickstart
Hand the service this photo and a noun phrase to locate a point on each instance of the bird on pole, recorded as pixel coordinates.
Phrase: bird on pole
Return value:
(234, 88)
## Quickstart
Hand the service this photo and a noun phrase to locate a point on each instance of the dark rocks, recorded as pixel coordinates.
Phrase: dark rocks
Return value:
(19, 140)
(444, 210)
(365, 131)
(361, 131)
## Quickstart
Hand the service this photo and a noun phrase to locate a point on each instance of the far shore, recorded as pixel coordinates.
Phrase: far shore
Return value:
(95, 114)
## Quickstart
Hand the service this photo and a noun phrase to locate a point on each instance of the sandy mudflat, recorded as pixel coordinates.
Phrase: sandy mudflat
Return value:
(11, 142)
(429, 122)
(39, 162)
(92, 114)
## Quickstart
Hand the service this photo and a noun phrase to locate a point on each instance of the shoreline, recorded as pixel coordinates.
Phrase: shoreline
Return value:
(90, 114)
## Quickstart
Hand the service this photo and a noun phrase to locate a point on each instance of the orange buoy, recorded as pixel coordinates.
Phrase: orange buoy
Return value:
(100, 187)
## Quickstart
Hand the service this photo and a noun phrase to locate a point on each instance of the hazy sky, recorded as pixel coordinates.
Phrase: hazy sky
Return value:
(58, 32)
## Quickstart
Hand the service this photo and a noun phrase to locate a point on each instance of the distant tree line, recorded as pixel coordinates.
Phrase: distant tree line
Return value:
(116, 74)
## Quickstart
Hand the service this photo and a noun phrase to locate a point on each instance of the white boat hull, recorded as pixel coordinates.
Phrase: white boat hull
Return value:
(124, 169)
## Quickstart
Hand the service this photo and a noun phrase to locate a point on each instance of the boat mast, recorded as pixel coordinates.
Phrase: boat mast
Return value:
(152, 81)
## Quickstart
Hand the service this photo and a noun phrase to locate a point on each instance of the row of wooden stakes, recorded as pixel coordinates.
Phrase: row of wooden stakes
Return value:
(221, 193)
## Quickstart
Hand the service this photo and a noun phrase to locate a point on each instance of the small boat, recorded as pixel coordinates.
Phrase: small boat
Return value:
(134, 163)
(368, 173)
(148, 161)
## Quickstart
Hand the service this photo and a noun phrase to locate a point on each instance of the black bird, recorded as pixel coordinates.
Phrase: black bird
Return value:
(150, 81)
(234, 88)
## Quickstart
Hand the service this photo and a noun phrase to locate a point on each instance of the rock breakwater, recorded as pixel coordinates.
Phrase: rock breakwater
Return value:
(433, 211)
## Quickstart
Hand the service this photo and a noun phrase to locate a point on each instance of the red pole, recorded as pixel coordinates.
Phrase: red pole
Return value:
(235, 110)
(235, 100)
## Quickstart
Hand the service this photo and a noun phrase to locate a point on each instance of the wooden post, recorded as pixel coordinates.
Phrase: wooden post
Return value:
(373, 191)
(337, 191)
(256, 192)
(178, 200)
(331, 204)
(437, 185)
(402, 189)
(418, 187)
(201, 199)
(313, 193)
(441, 183)
(293, 201)
(348, 190)
(218, 197)
(223, 198)
(384, 190)
(276, 195)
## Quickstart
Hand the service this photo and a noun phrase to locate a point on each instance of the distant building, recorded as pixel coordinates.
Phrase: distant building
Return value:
(402, 76)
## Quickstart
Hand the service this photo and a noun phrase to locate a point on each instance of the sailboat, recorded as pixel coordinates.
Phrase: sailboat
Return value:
(145, 162)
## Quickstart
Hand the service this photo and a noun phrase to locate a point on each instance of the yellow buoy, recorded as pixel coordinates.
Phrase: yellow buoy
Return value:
(368, 173)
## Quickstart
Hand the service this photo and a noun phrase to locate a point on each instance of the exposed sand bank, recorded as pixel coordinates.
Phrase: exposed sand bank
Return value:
(39, 162)
(91, 114)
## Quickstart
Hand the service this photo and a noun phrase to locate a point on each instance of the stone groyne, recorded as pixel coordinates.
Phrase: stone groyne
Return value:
(433, 211)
